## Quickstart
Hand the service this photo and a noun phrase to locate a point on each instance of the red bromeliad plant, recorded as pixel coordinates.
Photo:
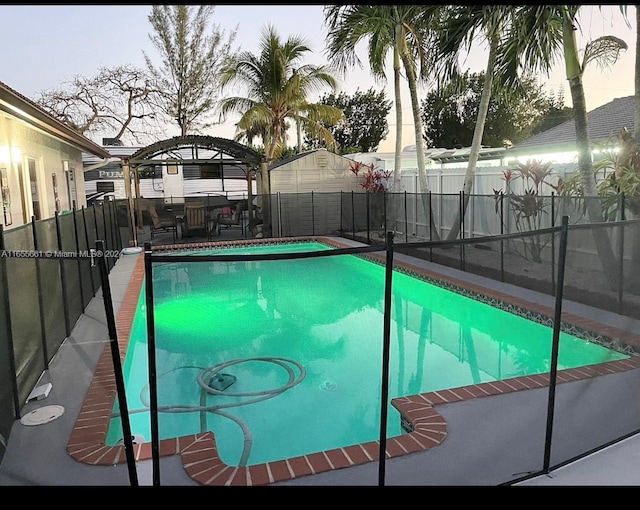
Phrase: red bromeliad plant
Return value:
(375, 181)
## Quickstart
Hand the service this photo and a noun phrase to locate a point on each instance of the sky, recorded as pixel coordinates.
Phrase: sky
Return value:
(44, 46)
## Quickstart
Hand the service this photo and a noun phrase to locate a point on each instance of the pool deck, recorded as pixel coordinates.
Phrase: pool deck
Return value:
(70, 450)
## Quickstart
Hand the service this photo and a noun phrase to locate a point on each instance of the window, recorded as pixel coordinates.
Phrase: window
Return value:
(105, 187)
(211, 171)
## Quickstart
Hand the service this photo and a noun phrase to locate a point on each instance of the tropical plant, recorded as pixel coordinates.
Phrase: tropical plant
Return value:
(192, 58)
(374, 179)
(375, 182)
(529, 208)
(615, 174)
(348, 25)
(461, 29)
(276, 86)
(527, 39)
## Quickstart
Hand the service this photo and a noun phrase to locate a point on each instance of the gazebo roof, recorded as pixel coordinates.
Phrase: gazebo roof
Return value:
(180, 147)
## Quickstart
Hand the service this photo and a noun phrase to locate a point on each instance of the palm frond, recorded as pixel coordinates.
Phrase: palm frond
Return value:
(604, 51)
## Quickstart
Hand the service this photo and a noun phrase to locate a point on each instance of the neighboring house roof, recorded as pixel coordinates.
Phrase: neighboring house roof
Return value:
(444, 155)
(21, 107)
(453, 155)
(603, 123)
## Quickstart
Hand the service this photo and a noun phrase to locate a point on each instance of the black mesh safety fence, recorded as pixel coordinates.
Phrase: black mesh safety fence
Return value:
(8, 388)
(255, 382)
(416, 218)
(530, 275)
(99, 224)
(92, 234)
(71, 267)
(87, 283)
(108, 235)
(25, 311)
(499, 316)
(601, 275)
(508, 243)
(48, 273)
(48, 278)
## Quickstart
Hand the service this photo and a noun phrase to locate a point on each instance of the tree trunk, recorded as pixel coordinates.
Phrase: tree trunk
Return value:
(417, 123)
(635, 254)
(397, 165)
(265, 195)
(590, 193)
(476, 144)
(249, 196)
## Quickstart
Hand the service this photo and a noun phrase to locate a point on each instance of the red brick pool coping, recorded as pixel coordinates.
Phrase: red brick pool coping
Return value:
(199, 453)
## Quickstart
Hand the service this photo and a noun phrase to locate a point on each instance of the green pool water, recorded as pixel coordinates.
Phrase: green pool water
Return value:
(296, 349)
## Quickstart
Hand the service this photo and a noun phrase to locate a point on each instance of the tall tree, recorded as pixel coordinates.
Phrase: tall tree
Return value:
(450, 112)
(542, 32)
(276, 86)
(463, 24)
(348, 26)
(407, 31)
(117, 103)
(364, 124)
(556, 113)
(192, 58)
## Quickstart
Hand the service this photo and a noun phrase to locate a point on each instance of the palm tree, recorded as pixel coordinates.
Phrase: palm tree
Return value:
(350, 24)
(462, 23)
(535, 40)
(277, 85)
(404, 30)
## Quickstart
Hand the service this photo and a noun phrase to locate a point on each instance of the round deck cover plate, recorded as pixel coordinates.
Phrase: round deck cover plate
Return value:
(42, 415)
(132, 251)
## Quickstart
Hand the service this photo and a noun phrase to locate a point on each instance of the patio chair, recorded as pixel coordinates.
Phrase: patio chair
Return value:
(233, 220)
(194, 219)
(162, 224)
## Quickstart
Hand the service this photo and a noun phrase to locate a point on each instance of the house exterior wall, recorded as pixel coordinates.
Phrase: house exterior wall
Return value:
(26, 152)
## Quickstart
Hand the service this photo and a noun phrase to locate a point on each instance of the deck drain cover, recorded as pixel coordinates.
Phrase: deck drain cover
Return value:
(132, 251)
(42, 415)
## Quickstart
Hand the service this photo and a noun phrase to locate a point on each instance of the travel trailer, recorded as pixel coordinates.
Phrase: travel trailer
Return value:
(213, 174)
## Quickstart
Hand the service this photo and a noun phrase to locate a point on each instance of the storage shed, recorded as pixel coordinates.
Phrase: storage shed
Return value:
(307, 190)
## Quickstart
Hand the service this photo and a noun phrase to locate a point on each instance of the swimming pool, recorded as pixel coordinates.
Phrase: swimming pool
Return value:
(307, 311)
